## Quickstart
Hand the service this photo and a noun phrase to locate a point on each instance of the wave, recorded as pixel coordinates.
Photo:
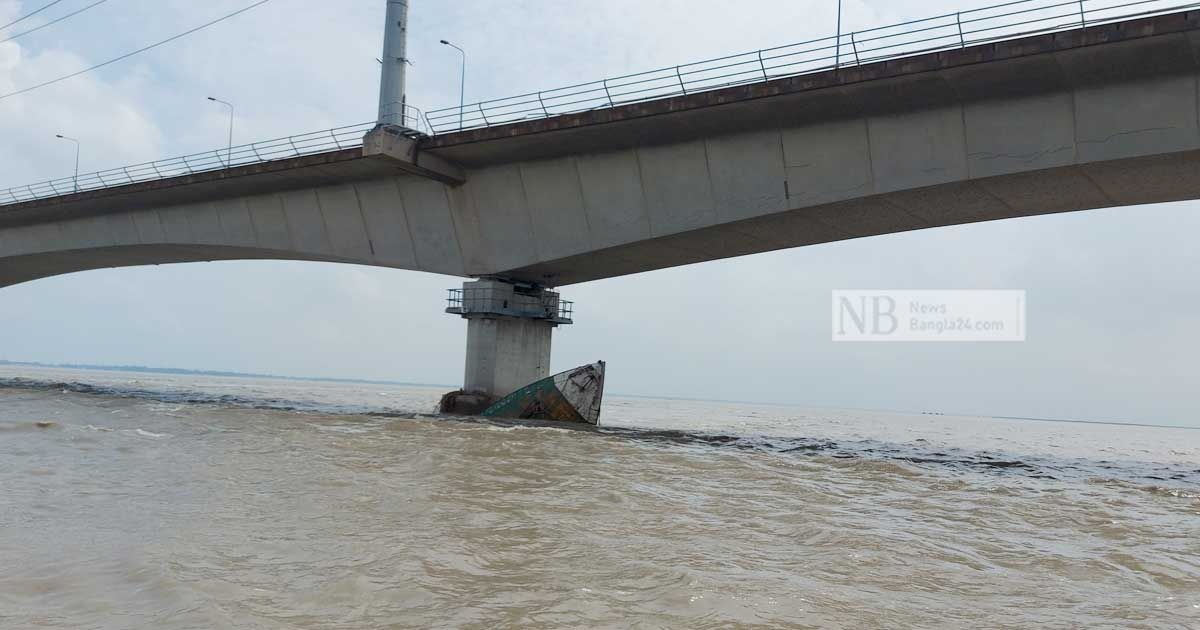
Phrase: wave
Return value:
(1161, 477)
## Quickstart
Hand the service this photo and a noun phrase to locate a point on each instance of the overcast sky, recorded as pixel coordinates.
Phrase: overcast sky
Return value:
(1113, 295)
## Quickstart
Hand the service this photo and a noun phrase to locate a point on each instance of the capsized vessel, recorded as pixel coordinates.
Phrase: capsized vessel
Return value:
(571, 396)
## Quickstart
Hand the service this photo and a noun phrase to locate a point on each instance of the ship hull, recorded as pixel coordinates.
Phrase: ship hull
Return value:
(571, 396)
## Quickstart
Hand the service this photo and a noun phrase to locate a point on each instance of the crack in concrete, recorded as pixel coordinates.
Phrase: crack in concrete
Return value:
(1024, 157)
(1125, 133)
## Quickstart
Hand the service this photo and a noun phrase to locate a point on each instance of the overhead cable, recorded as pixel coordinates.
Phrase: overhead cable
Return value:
(136, 52)
(29, 15)
(53, 22)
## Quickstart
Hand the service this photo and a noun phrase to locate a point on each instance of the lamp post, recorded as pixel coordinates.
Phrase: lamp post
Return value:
(229, 152)
(392, 103)
(837, 63)
(76, 179)
(462, 86)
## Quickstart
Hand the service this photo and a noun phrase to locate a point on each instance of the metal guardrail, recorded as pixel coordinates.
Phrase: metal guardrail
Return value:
(486, 301)
(255, 153)
(1009, 20)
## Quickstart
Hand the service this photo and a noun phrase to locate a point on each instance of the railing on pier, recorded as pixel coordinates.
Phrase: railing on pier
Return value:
(542, 304)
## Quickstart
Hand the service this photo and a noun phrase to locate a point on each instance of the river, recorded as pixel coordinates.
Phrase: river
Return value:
(156, 501)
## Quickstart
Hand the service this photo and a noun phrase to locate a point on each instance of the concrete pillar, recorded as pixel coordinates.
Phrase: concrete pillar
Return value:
(506, 354)
(509, 329)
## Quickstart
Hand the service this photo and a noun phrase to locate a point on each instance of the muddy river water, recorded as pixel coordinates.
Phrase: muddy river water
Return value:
(153, 501)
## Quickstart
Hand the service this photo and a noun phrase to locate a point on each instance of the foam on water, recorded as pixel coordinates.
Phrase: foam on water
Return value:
(172, 400)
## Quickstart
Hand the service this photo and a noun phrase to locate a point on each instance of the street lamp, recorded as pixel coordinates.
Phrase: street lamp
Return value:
(229, 154)
(838, 55)
(76, 180)
(462, 88)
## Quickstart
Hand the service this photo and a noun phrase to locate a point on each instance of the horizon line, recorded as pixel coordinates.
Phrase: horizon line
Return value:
(142, 369)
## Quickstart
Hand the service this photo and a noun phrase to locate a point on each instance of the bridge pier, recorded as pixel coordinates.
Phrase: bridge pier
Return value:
(509, 330)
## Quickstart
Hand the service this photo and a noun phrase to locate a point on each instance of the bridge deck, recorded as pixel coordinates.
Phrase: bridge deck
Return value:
(611, 127)
(615, 127)
(1058, 122)
(333, 167)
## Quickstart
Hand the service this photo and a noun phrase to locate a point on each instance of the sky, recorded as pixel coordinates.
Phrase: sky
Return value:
(1112, 295)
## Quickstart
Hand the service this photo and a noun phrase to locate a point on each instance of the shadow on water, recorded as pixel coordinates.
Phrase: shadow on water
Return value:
(916, 453)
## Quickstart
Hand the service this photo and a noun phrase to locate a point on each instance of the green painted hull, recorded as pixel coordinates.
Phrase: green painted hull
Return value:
(572, 396)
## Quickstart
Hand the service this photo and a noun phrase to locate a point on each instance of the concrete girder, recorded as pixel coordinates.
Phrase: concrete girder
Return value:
(1070, 121)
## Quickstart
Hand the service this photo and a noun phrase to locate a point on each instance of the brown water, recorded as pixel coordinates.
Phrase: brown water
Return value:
(173, 502)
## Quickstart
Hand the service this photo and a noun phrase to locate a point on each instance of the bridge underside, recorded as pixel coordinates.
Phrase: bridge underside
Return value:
(18, 269)
(1134, 181)
(1073, 120)
(1141, 180)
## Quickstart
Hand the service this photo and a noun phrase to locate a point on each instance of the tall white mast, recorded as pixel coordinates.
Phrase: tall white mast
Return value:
(395, 62)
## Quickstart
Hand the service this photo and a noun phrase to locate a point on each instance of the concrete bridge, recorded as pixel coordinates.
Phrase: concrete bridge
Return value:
(1072, 120)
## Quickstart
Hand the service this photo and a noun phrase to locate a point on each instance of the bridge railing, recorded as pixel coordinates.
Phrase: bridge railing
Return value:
(257, 152)
(1008, 20)
(1016, 18)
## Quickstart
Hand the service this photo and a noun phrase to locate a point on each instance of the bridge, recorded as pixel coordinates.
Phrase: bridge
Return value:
(828, 142)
